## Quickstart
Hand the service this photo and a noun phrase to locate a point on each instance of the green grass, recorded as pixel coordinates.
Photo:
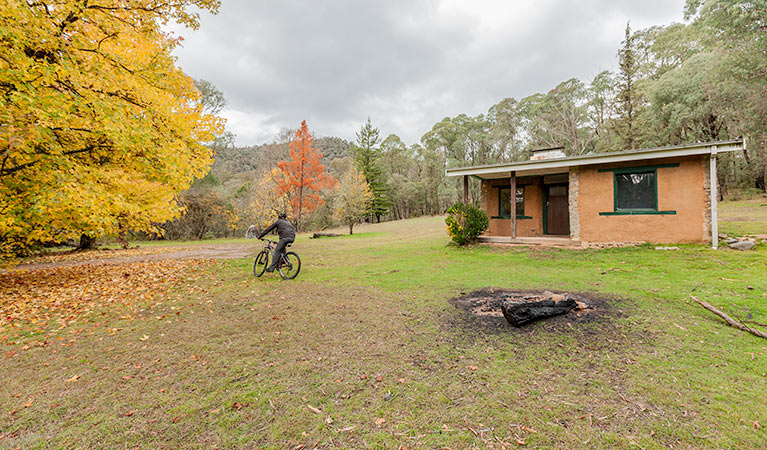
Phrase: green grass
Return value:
(653, 370)
(744, 217)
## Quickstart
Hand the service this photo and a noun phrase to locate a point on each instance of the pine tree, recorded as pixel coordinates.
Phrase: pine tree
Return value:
(303, 175)
(628, 64)
(366, 156)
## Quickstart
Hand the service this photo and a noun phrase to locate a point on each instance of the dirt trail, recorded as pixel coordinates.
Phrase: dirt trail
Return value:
(202, 251)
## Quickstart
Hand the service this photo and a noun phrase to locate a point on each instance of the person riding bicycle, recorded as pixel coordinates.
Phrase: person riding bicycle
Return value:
(287, 235)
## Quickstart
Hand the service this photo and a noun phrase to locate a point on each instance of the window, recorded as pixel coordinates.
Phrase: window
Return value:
(504, 204)
(636, 191)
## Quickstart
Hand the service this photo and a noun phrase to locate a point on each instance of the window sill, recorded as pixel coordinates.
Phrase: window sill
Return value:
(637, 212)
(509, 217)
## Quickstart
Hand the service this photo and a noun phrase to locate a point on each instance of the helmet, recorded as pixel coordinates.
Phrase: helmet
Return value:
(282, 215)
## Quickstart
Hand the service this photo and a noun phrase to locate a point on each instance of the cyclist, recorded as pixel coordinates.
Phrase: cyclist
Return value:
(287, 235)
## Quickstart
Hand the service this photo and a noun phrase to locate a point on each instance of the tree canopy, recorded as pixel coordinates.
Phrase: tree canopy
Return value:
(98, 128)
(303, 175)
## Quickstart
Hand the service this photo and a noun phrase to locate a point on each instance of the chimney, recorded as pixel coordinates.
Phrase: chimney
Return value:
(547, 153)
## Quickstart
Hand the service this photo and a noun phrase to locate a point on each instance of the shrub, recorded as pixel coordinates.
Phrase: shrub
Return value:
(465, 223)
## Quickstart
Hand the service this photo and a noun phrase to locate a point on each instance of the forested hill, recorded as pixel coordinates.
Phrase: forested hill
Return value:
(230, 161)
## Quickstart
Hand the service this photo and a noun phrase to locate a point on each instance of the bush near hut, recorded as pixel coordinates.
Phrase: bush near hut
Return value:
(465, 223)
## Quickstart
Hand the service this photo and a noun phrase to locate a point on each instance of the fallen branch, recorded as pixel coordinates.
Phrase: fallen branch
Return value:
(756, 323)
(729, 319)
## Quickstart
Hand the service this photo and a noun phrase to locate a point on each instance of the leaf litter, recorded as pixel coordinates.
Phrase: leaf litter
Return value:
(54, 298)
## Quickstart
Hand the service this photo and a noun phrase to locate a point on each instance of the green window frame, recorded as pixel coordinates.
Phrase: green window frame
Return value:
(503, 203)
(623, 178)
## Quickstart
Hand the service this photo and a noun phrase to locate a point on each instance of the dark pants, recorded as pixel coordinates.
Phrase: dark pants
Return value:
(279, 250)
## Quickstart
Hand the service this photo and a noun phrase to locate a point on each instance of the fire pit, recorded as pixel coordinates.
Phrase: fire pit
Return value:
(522, 307)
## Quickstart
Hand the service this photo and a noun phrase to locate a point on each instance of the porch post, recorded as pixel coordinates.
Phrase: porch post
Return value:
(465, 189)
(714, 198)
(513, 207)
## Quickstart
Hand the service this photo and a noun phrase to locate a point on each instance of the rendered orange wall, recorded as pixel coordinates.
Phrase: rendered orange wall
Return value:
(680, 189)
(525, 227)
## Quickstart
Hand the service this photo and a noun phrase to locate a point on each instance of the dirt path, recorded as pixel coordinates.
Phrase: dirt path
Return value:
(201, 251)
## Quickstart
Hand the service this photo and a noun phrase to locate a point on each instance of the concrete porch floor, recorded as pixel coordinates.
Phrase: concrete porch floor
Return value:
(545, 241)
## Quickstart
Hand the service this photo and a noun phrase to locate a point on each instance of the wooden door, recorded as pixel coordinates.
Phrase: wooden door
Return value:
(557, 211)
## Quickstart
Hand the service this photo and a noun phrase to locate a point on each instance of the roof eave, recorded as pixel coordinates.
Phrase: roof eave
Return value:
(601, 158)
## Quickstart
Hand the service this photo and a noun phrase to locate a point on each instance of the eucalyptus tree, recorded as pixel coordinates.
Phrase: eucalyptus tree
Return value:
(505, 130)
(738, 30)
(559, 118)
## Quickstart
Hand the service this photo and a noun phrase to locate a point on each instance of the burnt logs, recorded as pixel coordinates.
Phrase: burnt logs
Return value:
(521, 310)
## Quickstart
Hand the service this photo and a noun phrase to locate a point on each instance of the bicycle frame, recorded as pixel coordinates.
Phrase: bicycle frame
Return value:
(270, 246)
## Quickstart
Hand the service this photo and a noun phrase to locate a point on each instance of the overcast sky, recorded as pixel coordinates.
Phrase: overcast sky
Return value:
(406, 64)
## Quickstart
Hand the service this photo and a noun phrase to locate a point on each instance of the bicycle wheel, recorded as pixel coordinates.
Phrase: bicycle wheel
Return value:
(290, 266)
(259, 265)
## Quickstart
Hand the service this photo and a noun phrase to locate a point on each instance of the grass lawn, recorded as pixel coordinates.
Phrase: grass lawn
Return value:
(364, 350)
(743, 217)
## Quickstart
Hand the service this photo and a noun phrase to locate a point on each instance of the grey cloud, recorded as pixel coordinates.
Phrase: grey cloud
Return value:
(406, 64)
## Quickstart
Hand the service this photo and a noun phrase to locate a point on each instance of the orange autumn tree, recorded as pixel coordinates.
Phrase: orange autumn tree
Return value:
(303, 175)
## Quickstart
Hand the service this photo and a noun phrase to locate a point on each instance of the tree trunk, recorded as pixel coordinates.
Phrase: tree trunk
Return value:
(351, 229)
(86, 242)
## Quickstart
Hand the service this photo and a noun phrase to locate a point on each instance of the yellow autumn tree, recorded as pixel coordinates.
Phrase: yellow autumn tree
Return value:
(352, 198)
(267, 200)
(99, 130)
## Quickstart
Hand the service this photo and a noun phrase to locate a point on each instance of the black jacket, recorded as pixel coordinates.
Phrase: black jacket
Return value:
(284, 229)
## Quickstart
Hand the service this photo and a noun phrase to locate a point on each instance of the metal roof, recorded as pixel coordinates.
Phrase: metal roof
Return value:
(552, 165)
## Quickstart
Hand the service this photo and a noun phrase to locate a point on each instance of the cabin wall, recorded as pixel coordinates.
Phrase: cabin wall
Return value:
(681, 189)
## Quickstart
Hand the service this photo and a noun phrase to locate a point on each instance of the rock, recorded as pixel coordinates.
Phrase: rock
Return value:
(252, 232)
(557, 297)
(581, 305)
(731, 241)
(666, 248)
(743, 245)
(723, 236)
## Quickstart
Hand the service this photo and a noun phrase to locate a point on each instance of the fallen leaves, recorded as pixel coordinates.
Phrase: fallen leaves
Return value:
(75, 256)
(73, 379)
(62, 295)
(313, 409)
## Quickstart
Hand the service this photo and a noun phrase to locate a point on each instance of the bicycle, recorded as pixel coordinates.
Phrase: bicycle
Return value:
(288, 267)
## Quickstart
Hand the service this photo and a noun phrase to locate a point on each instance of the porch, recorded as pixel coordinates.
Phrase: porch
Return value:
(540, 205)
(543, 241)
